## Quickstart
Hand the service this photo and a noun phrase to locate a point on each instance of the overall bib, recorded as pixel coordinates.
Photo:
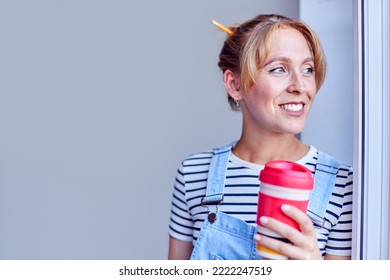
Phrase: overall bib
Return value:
(223, 237)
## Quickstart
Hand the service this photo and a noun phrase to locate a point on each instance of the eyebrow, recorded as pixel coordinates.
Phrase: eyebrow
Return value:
(286, 59)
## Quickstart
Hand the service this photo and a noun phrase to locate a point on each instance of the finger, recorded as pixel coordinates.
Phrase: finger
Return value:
(282, 230)
(305, 224)
(286, 249)
(275, 247)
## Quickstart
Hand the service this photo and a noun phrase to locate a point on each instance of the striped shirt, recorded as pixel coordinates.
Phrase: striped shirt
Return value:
(240, 200)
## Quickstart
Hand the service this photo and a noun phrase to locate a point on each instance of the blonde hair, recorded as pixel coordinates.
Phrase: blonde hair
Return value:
(244, 52)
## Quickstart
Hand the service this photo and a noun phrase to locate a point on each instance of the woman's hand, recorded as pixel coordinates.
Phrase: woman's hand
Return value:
(304, 243)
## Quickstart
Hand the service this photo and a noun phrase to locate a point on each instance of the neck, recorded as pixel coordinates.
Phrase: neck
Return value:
(263, 149)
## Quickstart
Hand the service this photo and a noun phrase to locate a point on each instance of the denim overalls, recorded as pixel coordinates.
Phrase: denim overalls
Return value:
(225, 237)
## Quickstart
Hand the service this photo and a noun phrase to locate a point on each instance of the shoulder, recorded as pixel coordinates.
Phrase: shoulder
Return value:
(327, 159)
(204, 158)
(195, 166)
(199, 158)
(315, 157)
(321, 160)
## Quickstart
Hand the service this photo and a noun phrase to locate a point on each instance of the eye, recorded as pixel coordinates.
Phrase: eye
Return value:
(278, 69)
(309, 70)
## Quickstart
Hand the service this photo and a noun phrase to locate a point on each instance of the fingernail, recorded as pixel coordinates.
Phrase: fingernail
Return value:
(263, 220)
(285, 208)
(256, 237)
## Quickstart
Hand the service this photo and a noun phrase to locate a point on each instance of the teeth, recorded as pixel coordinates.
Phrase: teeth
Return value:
(292, 107)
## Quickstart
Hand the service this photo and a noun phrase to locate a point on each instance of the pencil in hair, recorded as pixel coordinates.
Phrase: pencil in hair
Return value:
(223, 28)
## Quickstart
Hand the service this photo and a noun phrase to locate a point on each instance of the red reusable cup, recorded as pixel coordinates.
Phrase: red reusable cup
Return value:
(281, 182)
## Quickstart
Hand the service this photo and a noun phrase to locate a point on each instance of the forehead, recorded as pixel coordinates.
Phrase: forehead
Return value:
(288, 42)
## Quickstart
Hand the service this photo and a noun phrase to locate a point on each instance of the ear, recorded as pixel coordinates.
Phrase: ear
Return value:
(232, 84)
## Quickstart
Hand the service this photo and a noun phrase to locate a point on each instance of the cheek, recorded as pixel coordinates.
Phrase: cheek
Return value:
(312, 87)
(263, 96)
(256, 99)
(259, 107)
(312, 93)
(262, 91)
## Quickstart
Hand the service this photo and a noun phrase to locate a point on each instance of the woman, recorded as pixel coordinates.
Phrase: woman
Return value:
(272, 67)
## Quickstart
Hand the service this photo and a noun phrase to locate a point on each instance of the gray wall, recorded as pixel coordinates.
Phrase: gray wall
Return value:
(330, 124)
(99, 103)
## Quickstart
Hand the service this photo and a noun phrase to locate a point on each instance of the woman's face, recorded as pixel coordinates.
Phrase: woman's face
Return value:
(281, 97)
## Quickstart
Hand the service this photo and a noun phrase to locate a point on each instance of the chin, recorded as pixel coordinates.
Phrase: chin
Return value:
(294, 130)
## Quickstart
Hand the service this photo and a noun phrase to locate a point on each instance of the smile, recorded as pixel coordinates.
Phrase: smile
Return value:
(292, 107)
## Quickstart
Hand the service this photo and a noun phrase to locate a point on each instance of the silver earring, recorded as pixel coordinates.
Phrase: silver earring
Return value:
(237, 102)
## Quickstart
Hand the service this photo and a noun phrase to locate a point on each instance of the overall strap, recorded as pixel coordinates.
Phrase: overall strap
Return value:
(217, 175)
(324, 180)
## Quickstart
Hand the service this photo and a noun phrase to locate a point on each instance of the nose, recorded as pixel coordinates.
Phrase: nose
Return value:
(297, 84)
